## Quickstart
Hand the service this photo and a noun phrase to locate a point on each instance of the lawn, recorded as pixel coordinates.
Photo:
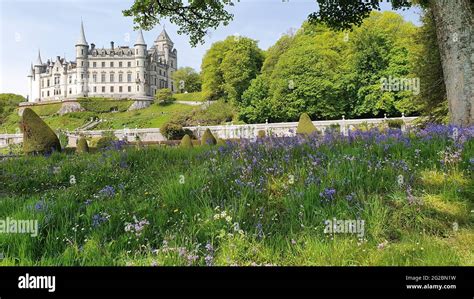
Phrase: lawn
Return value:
(152, 117)
(190, 96)
(262, 203)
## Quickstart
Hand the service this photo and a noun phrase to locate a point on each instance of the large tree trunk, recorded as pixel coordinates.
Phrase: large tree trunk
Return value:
(454, 21)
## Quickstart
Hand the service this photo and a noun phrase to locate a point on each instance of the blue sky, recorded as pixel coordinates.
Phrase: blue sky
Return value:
(53, 27)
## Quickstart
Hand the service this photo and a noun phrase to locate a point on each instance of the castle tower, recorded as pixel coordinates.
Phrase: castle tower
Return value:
(30, 84)
(36, 84)
(82, 50)
(166, 46)
(140, 59)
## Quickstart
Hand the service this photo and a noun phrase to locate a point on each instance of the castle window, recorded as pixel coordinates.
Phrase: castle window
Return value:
(103, 89)
(138, 88)
(82, 51)
(111, 64)
(82, 63)
(94, 77)
(47, 85)
(120, 89)
(120, 77)
(95, 88)
(70, 91)
(129, 89)
(103, 64)
(111, 77)
(48, 93)
(82, 75)
(111, 89)
(129, 77)
(70, 79)
(102, 77)
(129, 64)
(42, 94)
(120, 64)
(94, 64)
(138, 63)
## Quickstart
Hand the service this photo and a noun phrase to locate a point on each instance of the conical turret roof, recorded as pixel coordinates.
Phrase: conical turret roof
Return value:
(38, 59)
(140, 40)
(82, 37)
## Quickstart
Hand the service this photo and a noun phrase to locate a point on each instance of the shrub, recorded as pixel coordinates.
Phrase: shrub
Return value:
(395, 123)
(164, 96)
(105, 141)
(305, 125)
(173, 131)
(207, 138)
(63, 139)
(261, 134)
(37, 135)
(138, 143)
(186, 142)
(82, 146)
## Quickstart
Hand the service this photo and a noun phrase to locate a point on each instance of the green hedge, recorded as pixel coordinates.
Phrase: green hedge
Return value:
(104, 105)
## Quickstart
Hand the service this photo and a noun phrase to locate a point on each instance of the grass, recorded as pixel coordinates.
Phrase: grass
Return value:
(152, 117)
(191, 96)
(262, 203)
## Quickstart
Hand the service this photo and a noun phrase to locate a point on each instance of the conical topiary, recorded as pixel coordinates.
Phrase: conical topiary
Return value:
(208, 138)
(305, 125)
(38, 137)
(186, 142)
(82, 146)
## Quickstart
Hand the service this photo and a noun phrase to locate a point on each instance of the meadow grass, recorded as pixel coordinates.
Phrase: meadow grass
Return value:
(151, 117)
(260, 203)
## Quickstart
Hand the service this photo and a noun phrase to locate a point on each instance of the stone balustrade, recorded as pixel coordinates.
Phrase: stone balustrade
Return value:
(222, 131)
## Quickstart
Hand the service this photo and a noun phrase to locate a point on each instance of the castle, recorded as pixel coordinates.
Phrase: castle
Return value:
(117, 72)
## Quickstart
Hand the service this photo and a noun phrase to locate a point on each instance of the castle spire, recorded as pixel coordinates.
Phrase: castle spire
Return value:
(82, 37)
(140, 39)
(38, 60)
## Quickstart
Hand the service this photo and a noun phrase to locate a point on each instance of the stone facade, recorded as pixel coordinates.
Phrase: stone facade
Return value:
(116, 72)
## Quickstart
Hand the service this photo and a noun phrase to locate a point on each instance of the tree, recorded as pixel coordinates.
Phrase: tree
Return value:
(454, 22)
(164, 95)
(428, 66)
(229, 66)
(382, 50)
(187, 79)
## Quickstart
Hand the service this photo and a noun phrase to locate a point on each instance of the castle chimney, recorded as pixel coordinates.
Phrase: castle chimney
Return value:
(92, 46)
(112, 45)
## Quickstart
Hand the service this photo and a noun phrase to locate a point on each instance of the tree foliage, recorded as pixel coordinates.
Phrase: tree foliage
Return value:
(229, 66)
(186, 79)
(432, 97)
(193, 18)
(329, 74)
(164, 95)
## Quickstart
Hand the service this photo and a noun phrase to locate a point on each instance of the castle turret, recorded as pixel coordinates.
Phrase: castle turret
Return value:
(82, 50)
(30, 84)
(36, 82)
(166, 46)
(140, 59)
